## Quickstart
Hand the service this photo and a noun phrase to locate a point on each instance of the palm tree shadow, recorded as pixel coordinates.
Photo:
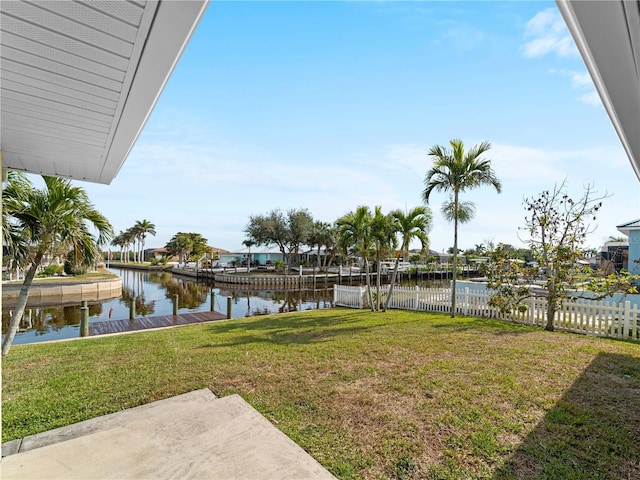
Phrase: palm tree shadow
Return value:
(287, 329)
(593, 431)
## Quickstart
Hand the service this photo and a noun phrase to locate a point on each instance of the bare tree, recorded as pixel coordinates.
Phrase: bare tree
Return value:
(557, 227)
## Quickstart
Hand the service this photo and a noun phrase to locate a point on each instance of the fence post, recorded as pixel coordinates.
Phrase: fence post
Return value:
(417, 298)
(84, 319)
(465, 310)
(532, 310)
(627, 318)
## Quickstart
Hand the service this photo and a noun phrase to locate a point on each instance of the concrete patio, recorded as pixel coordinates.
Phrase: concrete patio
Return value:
(191, 436)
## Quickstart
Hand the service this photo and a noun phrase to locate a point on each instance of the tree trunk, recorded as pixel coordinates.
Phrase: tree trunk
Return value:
(368, 278)
(551, 306)
(378, 272)
(21, 304)
(393, 281)
(455, 257)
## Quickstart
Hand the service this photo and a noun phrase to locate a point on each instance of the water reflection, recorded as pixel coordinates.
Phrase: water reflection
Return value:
(153, 293)
(280, 301)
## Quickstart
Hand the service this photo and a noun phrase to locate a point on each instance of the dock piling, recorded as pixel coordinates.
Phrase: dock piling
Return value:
(84, 319)
(175, 304)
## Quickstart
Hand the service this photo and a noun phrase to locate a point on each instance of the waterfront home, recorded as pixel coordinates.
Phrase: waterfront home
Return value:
(259, 256)
(614, 256)
(632, 230)
(160, 253)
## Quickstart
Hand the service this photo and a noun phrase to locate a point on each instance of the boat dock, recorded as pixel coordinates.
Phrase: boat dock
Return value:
(145, 323)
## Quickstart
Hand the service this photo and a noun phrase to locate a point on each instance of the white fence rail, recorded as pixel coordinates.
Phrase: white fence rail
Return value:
(593, 317)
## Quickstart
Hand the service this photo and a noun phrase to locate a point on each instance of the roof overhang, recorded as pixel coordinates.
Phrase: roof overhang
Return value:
(626, 228)
(79, 80)
(607, 34)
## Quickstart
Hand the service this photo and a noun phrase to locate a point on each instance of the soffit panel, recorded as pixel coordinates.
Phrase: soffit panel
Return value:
(61, 43)
(56, 82)
(79, 80)
(45, 15)
(607, 36)
(36, 87)
(57, 56)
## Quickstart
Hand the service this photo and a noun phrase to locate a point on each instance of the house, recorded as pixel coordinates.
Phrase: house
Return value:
(159, 253)
(614, 256)
(259, 256)
(632, 230)
(441, 257)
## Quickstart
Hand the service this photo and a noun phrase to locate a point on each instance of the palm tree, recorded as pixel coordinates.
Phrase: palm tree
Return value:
(143, 227)
(383, 234)
(120, 242)
(127, 239)
(57, 215)
(354, 230)
(415, 224)
(13, 237)
(455, 171)
(134, 235)
(248, 243)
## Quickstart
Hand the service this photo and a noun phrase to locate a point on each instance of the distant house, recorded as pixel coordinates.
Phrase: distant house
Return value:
(259, 256)
(632, 230)
(614, 256)
(159, 253)
(441, 257)
(156, 253)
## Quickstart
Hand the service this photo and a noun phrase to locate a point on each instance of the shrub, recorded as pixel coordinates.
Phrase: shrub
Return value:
(51, 270)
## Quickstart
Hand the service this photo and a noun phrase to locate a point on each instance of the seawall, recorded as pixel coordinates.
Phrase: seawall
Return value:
(63, 292)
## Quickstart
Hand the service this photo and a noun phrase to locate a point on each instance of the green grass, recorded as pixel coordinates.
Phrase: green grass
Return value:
(85, 277)
(397, 395)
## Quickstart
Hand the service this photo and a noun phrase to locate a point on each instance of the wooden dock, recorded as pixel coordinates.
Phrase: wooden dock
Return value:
(146, 323)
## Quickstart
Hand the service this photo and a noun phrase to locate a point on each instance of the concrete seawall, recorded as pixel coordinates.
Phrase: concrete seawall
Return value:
(63, 293)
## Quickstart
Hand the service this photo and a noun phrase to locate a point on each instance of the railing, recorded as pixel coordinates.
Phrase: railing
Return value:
(593, 317)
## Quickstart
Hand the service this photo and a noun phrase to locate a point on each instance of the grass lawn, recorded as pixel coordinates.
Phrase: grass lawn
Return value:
(394, 395)
(100, 274)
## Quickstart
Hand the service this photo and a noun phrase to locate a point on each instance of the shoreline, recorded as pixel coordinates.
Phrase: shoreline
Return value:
(63, 291)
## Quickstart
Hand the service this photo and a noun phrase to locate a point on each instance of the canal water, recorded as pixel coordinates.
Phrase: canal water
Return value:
(153, 293)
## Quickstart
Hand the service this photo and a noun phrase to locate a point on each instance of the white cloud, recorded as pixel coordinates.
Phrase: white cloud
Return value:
(581, 80)
(548, 34)
(591, 98)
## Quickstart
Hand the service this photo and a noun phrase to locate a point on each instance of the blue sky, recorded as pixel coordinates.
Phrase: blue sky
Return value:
(332, 105)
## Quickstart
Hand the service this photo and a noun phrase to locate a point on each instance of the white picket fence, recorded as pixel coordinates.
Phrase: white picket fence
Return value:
(593, 317)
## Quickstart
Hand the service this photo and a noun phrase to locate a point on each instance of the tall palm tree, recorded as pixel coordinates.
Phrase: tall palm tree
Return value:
(127, 239)
(59, 214)
(415, 224)
(354, 230)
(119, 241)
(455, 171)
(143, 227)
(135, 233)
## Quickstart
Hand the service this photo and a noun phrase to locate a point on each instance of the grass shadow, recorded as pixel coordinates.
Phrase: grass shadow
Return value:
(592, 432)
(486, 325)
(292, 328)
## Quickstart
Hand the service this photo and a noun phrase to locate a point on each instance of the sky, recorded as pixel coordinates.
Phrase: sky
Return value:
(331, 105)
